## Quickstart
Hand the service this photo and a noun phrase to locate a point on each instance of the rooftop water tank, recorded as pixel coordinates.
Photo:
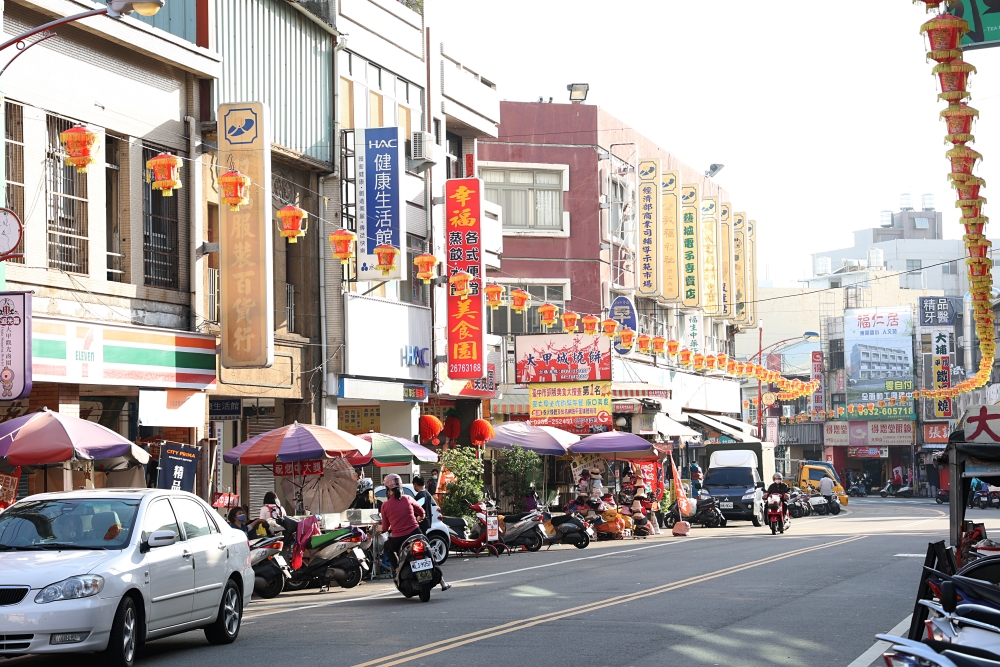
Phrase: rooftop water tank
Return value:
(822, 266)
(904, 202)
(885, 218)
(927, 202)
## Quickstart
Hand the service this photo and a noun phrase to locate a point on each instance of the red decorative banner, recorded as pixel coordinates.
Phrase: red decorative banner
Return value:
(313, 467)
(8, 488)
(466, 313)
(226, 500)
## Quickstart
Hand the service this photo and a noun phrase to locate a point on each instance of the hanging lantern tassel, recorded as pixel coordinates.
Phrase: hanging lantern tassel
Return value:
(80, 144)
(481, 432)
(430, 428)
(235, 189)
(163, 171)
(294, 222)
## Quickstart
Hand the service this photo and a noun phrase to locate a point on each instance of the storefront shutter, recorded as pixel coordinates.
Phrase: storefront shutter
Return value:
(260, 479)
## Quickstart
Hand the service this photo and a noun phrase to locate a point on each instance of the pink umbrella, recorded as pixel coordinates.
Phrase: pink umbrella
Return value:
(297, 442)
(45, 437)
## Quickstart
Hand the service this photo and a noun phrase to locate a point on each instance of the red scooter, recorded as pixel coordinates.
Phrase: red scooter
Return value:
(462, 539)
(775, 517)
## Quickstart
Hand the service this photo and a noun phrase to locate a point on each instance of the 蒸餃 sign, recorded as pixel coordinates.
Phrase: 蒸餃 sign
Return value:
(466, 328)
(15, 345)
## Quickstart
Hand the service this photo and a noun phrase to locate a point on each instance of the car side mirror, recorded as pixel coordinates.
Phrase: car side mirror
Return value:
(948, 598)
(759, 485)
(159, 538)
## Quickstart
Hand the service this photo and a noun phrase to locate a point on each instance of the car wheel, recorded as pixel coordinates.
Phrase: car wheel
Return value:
(226, 627)
(758, 518)
(124, 637)
(353, 578)
(534, 541)
(439, 548)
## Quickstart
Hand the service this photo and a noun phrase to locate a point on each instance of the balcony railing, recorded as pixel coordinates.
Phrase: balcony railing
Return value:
(214, 287)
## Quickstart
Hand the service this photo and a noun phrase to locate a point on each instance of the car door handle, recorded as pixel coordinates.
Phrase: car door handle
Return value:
(221, 546)
(186, 553)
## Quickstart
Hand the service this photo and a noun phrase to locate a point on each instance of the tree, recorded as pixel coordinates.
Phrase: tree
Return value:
(467, 486)
(514, 471)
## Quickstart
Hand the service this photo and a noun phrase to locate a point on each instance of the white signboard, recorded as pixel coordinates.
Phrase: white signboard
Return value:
(15, 345)
(982, 424)
(388, 339)
(173, 407)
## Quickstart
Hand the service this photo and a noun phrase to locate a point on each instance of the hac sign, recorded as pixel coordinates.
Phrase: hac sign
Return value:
(413, 355)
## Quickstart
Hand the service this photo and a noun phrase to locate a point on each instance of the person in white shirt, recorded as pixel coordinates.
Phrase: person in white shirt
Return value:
(272, 509)
(826, 488)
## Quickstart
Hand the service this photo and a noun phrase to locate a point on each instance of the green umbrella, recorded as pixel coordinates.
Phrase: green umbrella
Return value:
(388, 450)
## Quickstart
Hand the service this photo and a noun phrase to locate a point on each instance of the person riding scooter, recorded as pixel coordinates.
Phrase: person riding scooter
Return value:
(401, 515)
(779, 486)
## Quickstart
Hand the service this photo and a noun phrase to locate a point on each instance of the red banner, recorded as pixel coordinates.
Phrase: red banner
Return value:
(562, 357)
(225, 500)
(8, 488)
(464, 244)
(313, 467)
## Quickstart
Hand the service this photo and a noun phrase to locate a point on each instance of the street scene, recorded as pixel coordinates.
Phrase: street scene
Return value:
(429, 332)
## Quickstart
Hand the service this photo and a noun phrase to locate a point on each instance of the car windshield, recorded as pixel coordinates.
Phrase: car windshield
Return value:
(68, 524)
(742, 477)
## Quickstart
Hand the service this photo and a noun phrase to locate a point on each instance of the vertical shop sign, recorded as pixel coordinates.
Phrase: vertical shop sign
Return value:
(178, 464)
(942, 372)
(818, 399)
(246, 251)
(694, 339)
(751, 272)
(670, 215)
(739, 268)
(15, 345)
(711, 279)
(726, 309)
(379, 163)
(648, 278)
(691, 237)
(466, 320)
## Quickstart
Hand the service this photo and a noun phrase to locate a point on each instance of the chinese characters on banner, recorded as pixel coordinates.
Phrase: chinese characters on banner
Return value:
(691, 239)
(739, 288)
(379, 159)
(937, 310)
(818, 399)
(464, 244)
(178, 464)
(878, 353)
(561, 357)
(751, 274)
(710, 255)
(726, 263)
(648, 277)
(482, 388)
(942, 371)
(936, 433)
(835, 434)
(358, 419)
(246, 252)
(982, 424)
(8, 488)
(577, 407)
(311, 467)
(15, 345)
(692, 338)
(670, 214)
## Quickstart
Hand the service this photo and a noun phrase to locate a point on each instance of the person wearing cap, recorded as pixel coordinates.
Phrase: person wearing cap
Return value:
(596, 484)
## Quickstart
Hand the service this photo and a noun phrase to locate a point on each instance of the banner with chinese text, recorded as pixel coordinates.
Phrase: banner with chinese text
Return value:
(942, 371)
(380, 159)
(561, 357)
(464, 244)
(648, 276)
(691, 238)
(878, 353)
(739, 268)
(670, 214)
(178, 465)
(751, 272)
(577, 407)
(711, 271)
(726, 263)
(818, 399)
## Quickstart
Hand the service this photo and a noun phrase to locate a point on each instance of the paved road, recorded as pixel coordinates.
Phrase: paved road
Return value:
(728, 596)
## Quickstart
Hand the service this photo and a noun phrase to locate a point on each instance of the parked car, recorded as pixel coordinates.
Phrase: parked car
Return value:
(438, 535)
(109, 569)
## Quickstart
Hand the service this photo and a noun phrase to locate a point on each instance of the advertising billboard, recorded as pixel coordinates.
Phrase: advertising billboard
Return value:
(878, 349)
(650, 227)
(577, 407)
(380, 159)
(466, 312)
(562, 357)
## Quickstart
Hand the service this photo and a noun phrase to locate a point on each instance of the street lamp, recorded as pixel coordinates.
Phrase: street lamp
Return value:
(714, 169)
(806, 336)
(578, 92)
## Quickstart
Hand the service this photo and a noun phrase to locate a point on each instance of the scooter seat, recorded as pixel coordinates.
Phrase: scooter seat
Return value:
(964, 660)
(558, 520)
(320, 541)
(978, 612)
(511, 519)
(979, 588)
(453, 521)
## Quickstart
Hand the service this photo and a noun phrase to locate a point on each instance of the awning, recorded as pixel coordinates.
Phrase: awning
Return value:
(735, 423)
(737, 435)
(638, 390)
(668, 428)
(627, 406)
(511, 404)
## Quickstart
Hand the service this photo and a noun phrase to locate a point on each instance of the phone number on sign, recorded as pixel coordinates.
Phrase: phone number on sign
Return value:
(465, 368)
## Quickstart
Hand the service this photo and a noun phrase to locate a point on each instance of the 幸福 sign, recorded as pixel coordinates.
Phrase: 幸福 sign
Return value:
(466, 328)
(15, 345)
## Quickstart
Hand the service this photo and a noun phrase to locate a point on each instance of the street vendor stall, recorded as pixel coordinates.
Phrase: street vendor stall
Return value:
(973, 451)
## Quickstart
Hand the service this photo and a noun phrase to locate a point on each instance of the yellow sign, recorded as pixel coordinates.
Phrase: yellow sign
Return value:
(670, 275)
(648, 277)
(739, 268)
(246, 252)
(359, 419)
(711, 280)
(691, 246)
(726, 261)
(751, 301)
(577, 407)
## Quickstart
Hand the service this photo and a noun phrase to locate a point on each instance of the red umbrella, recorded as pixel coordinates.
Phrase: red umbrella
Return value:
(297, 442)
(45, 437)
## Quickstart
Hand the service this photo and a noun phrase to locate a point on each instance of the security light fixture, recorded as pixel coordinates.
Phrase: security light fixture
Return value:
(714, 169)
(810, 335)
(119, 8)
(578, 92)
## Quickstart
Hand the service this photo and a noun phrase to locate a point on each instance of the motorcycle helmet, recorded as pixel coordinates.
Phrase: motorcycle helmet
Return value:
(776, 477)
(392, 481)
(365, 485)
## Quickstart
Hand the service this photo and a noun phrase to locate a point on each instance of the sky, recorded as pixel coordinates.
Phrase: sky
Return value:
(823, 113)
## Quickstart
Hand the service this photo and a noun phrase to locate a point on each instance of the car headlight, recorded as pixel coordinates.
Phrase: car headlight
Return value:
(71, 589)
(750, 496)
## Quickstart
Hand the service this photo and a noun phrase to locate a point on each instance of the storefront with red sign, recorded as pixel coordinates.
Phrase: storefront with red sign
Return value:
(870, 447)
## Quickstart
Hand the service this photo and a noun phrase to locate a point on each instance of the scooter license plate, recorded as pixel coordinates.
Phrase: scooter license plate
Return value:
(726, 505)
(280, 561)
(421, 565)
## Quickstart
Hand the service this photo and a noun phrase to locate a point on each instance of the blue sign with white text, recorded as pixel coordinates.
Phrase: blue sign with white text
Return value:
(623, 310)
(380, 155)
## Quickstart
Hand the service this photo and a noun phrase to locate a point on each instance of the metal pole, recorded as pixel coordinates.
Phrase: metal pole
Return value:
(760, 352)
(52, 24)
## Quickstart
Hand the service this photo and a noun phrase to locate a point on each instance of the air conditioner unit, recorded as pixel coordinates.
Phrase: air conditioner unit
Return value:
(423, 152)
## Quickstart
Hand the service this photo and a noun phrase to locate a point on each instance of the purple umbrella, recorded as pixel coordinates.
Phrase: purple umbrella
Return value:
(46, 437)
(538, 439)
(297, 442)
(619, 445)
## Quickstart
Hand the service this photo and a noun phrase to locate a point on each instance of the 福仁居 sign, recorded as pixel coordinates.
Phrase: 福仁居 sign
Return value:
(562, 357)
(379, 160)
(466, 328)
(577, 407)
(878, 349)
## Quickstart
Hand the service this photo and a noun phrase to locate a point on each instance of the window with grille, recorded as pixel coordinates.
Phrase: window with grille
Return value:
(913, 265)
(530, 199)
(65, 204)
(618, 212)
(160, 253)
(414, 291)
(836, 353)
(14, 139)
(505, 321)
(950, 268)
(113, 206)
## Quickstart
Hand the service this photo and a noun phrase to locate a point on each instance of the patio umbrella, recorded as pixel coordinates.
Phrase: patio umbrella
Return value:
(297, 442)
(389, 450)
(538, 439)
(618, 445)
(333, 491)
(46, 437)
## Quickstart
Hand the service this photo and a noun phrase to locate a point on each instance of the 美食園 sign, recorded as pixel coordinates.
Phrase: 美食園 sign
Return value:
(466, 328)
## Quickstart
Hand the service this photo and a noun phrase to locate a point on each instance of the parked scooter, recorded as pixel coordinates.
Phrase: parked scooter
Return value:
(774, 514)
(334, 557)
(860, 488)
(818, 505)
(908, 652)
(269, 567)
(475, 539)
(521, 530)
(798, 505)
(962, 627)
(707, 513)
(567, 529)
(905, 491)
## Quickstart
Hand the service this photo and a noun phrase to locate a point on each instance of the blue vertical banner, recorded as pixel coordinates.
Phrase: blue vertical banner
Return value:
(178, 465)
(379, 155)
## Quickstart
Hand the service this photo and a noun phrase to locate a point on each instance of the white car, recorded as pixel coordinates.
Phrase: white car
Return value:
(109, 569)
(438, 535)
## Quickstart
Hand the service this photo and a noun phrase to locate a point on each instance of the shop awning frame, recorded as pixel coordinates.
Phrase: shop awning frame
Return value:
(511, 404)
(711, 422)
(638, 390)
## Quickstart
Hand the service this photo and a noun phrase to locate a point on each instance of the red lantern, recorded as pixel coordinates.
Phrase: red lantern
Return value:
(731, 366)
(481, 432)
(685, 357)
(977, 245)
(871, 406)
(892, 401)
(425, 263)
(644, 343)
(659, 344)
(519, 300)
(954, 78)
(494, 295)
(626, 338)
(746, 404)
(699, 361)
(163, 171)
(850, 408)
(672, 347)
(386, 255)
(609, 327)
(968, 189)
(840, 412)
(452, 427)
(958, 119)
(930, 4)
(978, 266)
(590, 324)
(945, 31)
(292, 218)
(79, 143)
(963, 159)
(721, 359)
(971, 208)
(974, 225)
(547, 314)
(710, 362)
(569, 319)
(343, 245)
(235, 189)
(460, 286)
(430, 427)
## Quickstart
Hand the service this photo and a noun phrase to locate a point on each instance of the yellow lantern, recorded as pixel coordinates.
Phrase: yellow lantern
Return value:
(673, 347)
(626, 337)
(731, 366)
(699, 362)
(547, 314)
(386, 255)
(79, 143)
(721, 359)
(686, 357)
(609, 327)
(519, 300)
(426, 263)
(659, 344)
(494, 295)
(292, 227)
(343, 245)
(644, 341)
(460, 286)
(569, 319)
(710, 361)
(590, 324)
(163, 171)
(235, 189)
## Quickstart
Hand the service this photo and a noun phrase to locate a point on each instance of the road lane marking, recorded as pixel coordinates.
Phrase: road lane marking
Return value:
(513, 626)
(909, 555)
(879, 647)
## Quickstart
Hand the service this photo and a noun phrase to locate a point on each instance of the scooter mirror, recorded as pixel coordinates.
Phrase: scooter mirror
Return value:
(948, 597)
